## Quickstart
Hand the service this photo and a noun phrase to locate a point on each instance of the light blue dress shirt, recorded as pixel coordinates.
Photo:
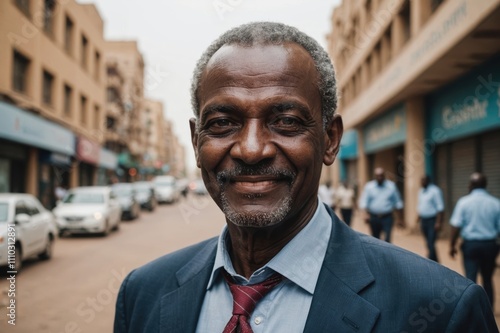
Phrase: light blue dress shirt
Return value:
(478, 216)
(380, 199)
(286, 307)
(430, 201)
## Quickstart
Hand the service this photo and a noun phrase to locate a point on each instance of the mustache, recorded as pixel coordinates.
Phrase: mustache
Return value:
(254, 170)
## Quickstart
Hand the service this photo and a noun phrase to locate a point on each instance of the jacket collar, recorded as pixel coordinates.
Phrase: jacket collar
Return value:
(344, 274)
(335, 304)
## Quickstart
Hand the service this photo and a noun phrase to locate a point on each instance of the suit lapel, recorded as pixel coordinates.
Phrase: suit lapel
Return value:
(180, 308)
(336, 305)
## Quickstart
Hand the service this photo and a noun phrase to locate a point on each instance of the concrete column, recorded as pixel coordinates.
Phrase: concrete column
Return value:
(73, 174)
(420, 11)
(32, 172)
(414, 157)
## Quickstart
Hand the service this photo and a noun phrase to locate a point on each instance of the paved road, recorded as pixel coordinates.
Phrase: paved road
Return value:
(76, 290)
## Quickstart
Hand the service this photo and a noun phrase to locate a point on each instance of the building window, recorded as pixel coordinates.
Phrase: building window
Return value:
(68, 96)
(20, 72)
(97, 118)
(48, 15)
(110, 123)
(83, 110)
(24, 6)
(97, 65)
(112, 95)
(435, 4)
(47, 87)
(68, 35)
(84, 51)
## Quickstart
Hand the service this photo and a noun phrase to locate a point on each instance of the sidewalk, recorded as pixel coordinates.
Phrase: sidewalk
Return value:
(415, 243)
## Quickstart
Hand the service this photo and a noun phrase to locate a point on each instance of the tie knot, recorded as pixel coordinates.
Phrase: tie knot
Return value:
(245, 298)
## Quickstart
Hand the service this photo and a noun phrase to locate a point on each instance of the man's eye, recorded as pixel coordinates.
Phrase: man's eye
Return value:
(287, 122)
(221, 123)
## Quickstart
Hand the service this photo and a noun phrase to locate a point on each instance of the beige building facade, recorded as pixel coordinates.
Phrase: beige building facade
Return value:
(419, 85)
(52, 96)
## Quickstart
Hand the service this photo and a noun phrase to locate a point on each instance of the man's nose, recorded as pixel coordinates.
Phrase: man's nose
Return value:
(253, 143)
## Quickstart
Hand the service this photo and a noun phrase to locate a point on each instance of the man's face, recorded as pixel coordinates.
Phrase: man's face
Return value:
(379, 176)
(260, 141)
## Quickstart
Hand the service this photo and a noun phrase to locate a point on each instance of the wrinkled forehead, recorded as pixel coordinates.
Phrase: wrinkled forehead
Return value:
(261, 58)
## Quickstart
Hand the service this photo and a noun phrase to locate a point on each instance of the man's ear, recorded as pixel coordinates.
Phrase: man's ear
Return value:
(333, 135)
(194, 139)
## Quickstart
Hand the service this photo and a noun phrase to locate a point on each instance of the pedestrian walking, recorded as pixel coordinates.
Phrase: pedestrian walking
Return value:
(430, 209)
(346, 201)
(327, 194)
(476, 219)
(380, 198)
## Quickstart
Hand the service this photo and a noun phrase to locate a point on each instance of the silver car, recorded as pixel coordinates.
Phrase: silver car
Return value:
(92, 209)
(166, 189)
(27, 229)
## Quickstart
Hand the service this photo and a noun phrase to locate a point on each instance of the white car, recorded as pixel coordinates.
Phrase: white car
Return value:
(28, 226)
(166, 189)
(92, 209)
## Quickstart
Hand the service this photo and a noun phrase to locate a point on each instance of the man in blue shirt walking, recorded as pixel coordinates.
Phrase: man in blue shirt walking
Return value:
(379, 199)
(476, 218)
(430, 214)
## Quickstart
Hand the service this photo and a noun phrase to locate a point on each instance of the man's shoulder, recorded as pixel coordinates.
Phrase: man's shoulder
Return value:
(396, 263)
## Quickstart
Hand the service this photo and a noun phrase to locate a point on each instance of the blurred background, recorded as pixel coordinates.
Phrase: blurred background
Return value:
(96, 164)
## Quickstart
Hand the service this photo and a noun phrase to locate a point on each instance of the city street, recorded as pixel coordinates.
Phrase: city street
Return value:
(76, 290)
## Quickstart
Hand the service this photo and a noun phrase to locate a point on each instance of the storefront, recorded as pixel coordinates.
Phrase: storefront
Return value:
(463, 124)
(31, 148)
(87, 156)
(108, 163)
(348, 158)
(383, 142)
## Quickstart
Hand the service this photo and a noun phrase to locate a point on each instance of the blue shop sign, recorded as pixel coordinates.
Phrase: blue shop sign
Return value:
(387, 131)
(20, 126)
(349, 145)
(467, 106)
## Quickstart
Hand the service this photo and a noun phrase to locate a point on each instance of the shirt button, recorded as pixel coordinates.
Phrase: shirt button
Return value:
(257, 320)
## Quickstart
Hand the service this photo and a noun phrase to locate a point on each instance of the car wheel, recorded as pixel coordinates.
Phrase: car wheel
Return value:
(117, 226)
(49, 247)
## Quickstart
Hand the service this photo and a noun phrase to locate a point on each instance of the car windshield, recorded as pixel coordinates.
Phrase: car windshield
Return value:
(4, 212)
(84, 197)
(122, 191)
(164, 183)
(142, 188)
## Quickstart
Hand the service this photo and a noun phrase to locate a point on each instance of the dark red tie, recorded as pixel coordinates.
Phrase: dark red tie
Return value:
(244, 300)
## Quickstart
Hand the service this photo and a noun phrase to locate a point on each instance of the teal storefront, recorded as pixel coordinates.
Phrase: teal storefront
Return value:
(463, 131)
(19, 132)
(348, 157)
(383, 142)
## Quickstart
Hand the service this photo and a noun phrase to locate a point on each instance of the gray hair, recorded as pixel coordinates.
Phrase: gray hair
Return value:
(265, 33)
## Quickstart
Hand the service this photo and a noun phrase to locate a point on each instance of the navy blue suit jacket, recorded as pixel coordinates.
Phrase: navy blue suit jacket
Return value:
(365, 285)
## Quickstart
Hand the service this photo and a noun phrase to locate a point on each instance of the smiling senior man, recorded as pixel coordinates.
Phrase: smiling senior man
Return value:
(264, 98)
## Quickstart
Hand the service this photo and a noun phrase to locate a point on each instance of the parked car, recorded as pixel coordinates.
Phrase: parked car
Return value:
(126, 195)
(198, 187)
(166, 189)
(92, 209)
(28, 225)
(145, 195)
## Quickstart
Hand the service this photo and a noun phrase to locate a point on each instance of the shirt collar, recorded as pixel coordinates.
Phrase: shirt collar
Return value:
(298, 261)
(478, 191)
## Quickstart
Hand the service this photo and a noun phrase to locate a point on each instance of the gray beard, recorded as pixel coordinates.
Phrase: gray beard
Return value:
(257, 219)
